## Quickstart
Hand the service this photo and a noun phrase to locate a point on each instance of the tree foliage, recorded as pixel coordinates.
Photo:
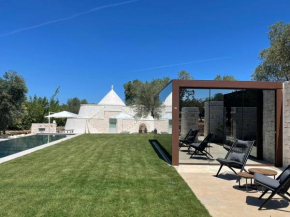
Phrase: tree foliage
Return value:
(12, 97)
(54, 102)
(19, 112)
(143, 96)
(131, 90)
(184, 75)
(186, 98)
(275, 65)
(36, 109)
(225, 78)
(73, 105)
(39, 107)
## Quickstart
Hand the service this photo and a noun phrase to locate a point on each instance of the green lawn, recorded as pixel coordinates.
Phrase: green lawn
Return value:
(95, 175)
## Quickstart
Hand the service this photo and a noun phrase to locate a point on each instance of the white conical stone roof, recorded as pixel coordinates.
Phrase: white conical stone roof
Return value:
(168, 100)
(112, 99)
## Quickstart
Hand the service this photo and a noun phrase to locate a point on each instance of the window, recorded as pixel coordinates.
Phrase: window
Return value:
(112, 125)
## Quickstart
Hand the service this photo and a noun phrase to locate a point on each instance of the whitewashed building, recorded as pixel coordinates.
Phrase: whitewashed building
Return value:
(100, 118)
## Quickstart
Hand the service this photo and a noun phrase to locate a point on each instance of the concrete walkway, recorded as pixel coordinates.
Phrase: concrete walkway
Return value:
(223, 197)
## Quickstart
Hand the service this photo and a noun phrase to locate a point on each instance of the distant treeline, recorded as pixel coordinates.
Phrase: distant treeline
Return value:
(18, 112)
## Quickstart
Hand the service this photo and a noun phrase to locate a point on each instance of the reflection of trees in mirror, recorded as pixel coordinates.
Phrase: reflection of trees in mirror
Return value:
(218, 97)
(239, 98)
(187, 99)
(220, 132)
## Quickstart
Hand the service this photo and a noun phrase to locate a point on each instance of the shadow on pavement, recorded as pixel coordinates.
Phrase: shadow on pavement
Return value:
(276, 203)
(227, 176)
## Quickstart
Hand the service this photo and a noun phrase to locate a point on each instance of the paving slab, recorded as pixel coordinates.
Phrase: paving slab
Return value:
(223, 197)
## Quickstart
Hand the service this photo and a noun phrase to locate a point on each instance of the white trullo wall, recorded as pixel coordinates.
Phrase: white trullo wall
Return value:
(95, 118)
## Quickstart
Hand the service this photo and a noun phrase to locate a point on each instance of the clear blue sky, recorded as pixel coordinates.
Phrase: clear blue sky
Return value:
(86, 53)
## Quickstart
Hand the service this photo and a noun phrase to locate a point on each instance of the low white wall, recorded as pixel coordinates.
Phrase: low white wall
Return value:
(77, 124)
(43, 128)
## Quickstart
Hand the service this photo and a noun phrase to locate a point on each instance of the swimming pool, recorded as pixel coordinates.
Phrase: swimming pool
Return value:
(13, 146)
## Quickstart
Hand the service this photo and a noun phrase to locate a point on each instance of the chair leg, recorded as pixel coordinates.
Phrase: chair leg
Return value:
(208, 153)
(205, 154)
(194, 153)
(244, 170)
(233, 170)
(268, 199)
(263, 194)
(219, 170)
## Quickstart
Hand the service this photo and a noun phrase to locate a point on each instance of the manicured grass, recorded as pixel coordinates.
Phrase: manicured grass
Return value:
(95, 175)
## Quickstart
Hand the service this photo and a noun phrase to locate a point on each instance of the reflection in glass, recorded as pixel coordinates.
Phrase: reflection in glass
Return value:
(163, 126)
(247, 114)
(192, 117)
(218, 122)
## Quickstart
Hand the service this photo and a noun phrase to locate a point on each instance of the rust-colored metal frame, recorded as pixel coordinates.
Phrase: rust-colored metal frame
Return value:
(178, 84)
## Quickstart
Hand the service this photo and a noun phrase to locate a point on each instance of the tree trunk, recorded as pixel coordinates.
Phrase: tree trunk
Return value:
(152, 113)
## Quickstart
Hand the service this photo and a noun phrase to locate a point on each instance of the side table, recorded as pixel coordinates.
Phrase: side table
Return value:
(246, 176)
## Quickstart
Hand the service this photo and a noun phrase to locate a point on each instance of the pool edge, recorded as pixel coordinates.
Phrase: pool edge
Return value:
(31, 150)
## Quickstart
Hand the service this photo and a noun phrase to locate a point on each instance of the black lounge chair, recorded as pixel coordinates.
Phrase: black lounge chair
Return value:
(237, 156)
(278, 186)
(189, 138)
(187, 135)
(199, 148)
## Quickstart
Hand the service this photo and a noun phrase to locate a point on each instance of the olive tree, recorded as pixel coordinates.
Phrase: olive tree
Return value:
(12, 97)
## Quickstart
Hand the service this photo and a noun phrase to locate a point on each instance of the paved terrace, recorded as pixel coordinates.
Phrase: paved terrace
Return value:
(217, 151)
(223, 197)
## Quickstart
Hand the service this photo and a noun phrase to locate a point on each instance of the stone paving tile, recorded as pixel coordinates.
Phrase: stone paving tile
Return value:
(222, 196)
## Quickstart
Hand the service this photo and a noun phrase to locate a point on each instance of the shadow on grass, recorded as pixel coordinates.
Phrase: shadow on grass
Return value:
(276, 203)
(154, 141)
